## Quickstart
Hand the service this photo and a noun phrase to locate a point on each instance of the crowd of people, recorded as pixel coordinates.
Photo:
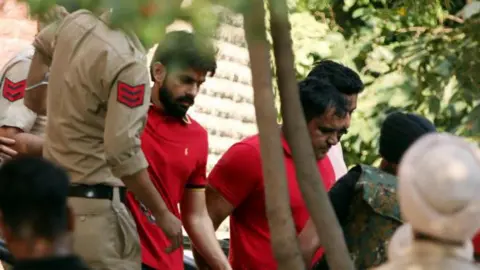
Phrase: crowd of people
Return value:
(101, 169)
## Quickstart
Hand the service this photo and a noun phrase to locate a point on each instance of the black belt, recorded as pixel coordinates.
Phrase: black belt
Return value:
(96, 192)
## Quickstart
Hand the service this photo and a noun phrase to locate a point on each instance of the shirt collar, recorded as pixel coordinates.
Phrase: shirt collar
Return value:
(185, 120)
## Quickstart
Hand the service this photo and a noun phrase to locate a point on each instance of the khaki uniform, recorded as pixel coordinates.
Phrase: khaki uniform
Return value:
(13, 84)
(97, 102)
(431, 256)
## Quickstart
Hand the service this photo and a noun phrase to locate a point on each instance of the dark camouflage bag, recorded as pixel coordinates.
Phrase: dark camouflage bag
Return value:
(374, 216)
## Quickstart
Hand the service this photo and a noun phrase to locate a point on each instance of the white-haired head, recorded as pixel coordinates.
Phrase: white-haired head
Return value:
(439, 187)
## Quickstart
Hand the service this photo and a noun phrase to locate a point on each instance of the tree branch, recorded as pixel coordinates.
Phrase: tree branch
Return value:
(295, 131)
(278, 210)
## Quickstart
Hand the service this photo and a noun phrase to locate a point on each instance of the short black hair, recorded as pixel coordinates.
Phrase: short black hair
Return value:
(344, 79)
(319, 95)
(181, 49)
(399, 131)
(33, 197)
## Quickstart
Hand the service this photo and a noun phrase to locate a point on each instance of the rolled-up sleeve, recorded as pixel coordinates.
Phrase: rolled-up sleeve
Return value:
(126, 115)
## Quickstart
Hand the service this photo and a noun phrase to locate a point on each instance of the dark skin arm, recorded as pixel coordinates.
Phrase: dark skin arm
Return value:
(15, 142)
(218, 210)
(36, 99)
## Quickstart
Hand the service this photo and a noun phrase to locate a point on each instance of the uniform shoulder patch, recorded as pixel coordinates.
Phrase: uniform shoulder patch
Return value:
(131, 96)
(13, 91)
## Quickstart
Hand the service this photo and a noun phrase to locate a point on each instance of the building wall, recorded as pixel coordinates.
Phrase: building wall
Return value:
(16, 30)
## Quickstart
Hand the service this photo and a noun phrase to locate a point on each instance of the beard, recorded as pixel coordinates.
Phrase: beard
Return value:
(173, 106)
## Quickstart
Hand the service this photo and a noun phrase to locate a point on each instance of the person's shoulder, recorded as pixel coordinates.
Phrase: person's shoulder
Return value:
(253, 141)
(118, 45)
(247, 150)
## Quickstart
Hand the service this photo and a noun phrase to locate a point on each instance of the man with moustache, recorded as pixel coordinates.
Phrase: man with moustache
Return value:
(236, 182)
(364, 200)
(176, 148)
(348, 83)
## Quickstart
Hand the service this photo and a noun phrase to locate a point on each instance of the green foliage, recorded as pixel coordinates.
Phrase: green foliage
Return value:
(413, 56)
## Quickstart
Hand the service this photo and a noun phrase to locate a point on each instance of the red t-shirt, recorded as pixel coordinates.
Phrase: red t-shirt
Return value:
(176, 152)
(238, 177)
(476, 243)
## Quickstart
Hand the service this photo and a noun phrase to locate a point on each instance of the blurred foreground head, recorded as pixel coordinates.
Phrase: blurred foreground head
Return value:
(399, 131)
(33, 205)
(438, 187)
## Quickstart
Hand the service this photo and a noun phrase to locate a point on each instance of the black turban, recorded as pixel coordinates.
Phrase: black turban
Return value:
(399, 131)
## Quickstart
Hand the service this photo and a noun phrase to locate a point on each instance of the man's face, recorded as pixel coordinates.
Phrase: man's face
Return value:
(325, 131)
(179, 90)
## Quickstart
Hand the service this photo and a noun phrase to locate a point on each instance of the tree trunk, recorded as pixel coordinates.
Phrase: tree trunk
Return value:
(282, 230)
(295, 131)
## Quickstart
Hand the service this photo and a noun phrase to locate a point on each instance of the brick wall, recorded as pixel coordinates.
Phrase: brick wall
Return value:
(16, 30)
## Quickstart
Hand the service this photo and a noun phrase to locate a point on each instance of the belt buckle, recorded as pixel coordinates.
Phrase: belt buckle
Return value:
(90, 193)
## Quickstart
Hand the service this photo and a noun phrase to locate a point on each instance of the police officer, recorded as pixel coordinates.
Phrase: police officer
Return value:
(15, 117)
(438, 195)
(98, 97)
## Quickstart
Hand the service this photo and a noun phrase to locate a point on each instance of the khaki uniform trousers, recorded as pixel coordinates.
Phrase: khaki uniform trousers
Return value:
(105, 234)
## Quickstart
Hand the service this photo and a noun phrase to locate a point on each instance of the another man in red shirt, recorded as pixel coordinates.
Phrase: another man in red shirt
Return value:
(176, 148)
(236, 183)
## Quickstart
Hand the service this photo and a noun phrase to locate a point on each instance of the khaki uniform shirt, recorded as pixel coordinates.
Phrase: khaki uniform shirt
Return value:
(13, 84)
(423, 255)
(97, 100)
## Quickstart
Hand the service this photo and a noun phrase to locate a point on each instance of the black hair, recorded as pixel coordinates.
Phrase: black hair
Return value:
(319, 95)
(181, 49)
(341, 77)
(399, 131)
(33, 196)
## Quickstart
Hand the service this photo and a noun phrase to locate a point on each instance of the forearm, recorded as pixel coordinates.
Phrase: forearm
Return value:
(308, 249)
(143, 188)
(28, 144)
(202, 234)
(35, 98)
(9, 132)
(309, 242)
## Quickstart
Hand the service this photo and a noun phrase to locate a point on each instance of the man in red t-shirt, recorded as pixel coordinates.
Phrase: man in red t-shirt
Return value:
(236, 183)
(348, 83)
(176, 148)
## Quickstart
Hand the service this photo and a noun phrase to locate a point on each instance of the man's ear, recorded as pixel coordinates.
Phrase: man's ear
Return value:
(159, 73)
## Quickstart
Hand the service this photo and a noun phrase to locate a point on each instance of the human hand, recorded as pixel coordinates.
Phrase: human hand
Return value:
(6, 148)
(200, 262)
(172, 227)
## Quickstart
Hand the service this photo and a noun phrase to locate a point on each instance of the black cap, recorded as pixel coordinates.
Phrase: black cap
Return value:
(399, 131)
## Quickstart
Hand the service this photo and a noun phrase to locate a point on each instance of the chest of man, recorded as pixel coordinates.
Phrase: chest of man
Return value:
(173, 154)
(299, 211)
